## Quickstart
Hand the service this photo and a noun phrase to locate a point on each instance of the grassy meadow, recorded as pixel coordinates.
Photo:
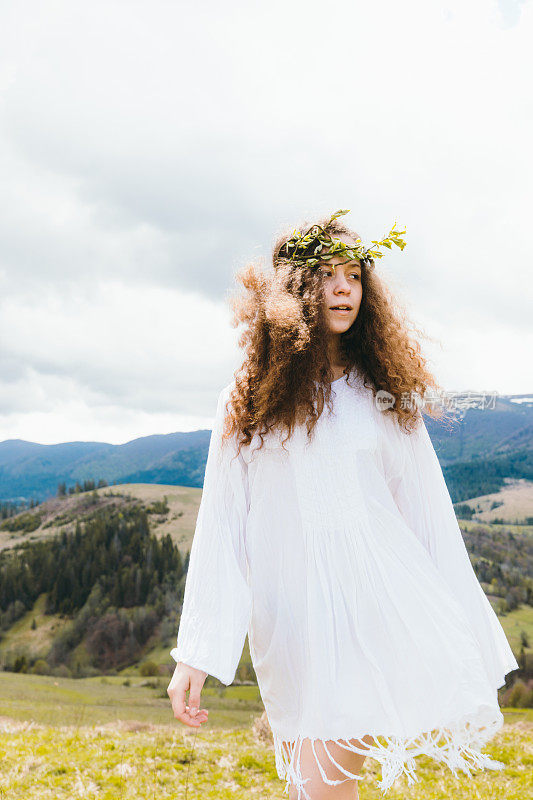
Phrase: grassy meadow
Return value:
(102, 738)
(114, 737)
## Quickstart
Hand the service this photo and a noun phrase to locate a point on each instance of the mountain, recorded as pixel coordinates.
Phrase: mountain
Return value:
(485, 433)
(486, 448)
(31, 470)
(478, 452)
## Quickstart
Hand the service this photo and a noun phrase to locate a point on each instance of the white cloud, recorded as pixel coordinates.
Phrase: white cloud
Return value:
(119, 358)
(149, 148)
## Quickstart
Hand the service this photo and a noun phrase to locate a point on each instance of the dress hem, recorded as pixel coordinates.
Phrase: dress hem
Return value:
(457, 745)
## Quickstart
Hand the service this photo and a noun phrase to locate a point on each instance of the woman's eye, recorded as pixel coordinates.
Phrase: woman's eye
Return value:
(327, 273)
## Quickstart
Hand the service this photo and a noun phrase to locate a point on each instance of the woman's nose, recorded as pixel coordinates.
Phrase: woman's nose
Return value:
(341, 283)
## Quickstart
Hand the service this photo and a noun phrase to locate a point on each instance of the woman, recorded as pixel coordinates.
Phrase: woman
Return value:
(326, 532)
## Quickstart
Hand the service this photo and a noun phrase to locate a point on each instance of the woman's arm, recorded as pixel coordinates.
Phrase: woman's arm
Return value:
(217, 598)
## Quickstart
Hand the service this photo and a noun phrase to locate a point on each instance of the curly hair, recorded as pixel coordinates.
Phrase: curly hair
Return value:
(285, 376)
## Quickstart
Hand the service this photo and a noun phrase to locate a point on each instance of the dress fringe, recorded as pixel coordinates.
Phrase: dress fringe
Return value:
(458, 745)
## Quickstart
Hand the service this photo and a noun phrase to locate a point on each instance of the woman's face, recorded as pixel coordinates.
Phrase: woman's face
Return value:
(342, 287)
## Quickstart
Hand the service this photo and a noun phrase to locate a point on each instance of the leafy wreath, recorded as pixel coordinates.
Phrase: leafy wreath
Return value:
(316, 245)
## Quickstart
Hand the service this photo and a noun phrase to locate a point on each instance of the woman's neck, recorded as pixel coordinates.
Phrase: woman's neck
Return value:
(336, 362)
(338, 372)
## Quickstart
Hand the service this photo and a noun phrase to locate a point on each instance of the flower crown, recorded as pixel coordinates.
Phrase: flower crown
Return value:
(309, 249)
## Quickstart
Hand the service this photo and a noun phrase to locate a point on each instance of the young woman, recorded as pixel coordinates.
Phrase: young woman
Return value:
(326, 532)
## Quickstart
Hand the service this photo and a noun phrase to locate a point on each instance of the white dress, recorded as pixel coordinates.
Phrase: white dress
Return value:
(343, 560)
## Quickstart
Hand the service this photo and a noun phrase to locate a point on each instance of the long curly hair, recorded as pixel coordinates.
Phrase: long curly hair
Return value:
(285, 377)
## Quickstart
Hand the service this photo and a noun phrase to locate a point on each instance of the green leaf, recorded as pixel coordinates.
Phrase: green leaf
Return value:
(339, 214)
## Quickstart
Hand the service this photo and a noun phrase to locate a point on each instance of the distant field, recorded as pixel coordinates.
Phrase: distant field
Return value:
(520, 530)
(61, 513)
(516, 499)
(94, 737)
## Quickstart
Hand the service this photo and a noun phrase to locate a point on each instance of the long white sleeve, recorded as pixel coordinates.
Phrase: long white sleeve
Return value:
(217, 598)
(424, 501)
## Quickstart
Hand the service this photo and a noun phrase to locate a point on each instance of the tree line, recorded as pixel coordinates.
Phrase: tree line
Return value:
(9, 508)
(481, 476)
(88, 485)
(117, 582)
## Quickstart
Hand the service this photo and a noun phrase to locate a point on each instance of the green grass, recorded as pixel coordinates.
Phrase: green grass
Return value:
(94, 738)
(88, 701)
(521, 619)
(121, 762)
(115, 763)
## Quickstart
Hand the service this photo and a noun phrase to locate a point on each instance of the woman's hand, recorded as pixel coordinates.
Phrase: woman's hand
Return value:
(191, 679)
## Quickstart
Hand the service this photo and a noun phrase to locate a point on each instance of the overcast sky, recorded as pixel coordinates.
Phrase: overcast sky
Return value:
(148, 149)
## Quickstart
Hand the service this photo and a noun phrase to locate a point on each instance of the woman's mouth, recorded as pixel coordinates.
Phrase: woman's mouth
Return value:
(341, 309)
